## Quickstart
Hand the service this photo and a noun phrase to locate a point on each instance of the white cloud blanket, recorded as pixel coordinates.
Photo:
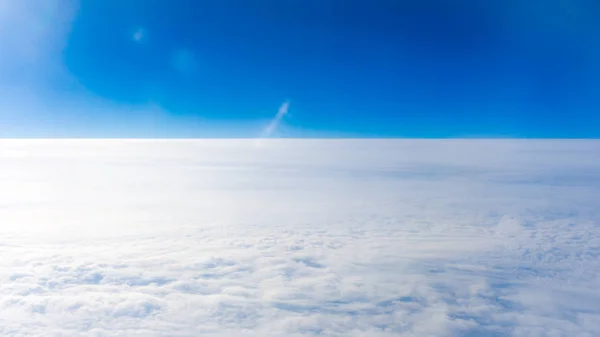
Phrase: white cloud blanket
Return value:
(299, 238)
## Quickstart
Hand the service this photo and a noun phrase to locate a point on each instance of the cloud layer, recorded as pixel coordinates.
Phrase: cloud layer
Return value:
(299, 238)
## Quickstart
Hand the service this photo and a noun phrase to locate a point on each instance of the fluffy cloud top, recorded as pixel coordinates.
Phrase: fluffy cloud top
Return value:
(299, 238)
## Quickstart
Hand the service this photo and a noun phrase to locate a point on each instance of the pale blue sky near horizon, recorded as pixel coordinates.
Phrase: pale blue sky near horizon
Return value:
(215, 69)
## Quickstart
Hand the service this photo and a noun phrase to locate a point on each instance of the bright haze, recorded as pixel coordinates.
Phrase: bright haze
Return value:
(299, 168)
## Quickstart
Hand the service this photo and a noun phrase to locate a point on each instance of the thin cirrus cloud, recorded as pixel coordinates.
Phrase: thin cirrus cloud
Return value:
(274, 123)
(340, 238)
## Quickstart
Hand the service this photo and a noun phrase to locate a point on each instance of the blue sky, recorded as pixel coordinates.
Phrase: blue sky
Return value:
(383, 68)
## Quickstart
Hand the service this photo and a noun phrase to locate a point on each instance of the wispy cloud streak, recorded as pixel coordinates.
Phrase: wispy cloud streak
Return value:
(272, 126)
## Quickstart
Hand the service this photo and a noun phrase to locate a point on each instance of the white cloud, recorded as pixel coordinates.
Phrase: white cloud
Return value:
(299, 238)
(274, 123)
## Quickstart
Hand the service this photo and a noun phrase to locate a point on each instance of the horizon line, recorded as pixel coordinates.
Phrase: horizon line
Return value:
(289, 138)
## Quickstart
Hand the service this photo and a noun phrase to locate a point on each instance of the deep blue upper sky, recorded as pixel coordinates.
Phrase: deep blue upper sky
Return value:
(406, 68)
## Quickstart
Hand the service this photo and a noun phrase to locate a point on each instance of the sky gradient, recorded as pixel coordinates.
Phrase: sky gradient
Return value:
(430, 69)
